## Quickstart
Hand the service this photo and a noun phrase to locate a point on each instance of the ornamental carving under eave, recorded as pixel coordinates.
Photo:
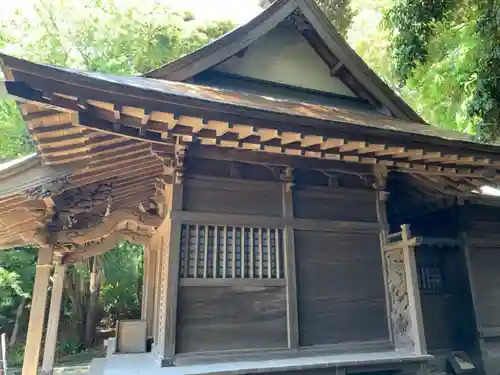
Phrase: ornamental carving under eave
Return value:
(47, 189)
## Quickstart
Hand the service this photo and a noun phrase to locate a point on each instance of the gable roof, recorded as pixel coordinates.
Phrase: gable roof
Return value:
(342, 60)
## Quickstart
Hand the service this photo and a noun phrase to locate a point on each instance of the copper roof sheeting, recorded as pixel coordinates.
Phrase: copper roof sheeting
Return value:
(332, 116)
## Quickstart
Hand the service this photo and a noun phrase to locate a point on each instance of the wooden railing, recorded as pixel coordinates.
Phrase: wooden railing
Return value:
(224, 252)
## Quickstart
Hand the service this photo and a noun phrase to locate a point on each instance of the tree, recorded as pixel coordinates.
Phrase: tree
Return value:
(121, 37)
(17, 274)
(447, 53)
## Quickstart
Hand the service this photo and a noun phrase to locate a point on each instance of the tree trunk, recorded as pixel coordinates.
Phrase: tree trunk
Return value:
(94, 286)
(17, 325)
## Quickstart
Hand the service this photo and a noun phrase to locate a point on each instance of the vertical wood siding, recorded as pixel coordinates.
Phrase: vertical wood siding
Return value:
(341, 294)
(231, 318)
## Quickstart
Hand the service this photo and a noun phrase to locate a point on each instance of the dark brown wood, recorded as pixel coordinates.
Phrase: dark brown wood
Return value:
(343, 205)
(290, 263)
(230, 198)
(341, 294)
(230, 318)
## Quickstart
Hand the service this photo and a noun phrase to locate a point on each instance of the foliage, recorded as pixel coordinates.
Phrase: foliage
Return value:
(17, 272)
(339, 12)
(485, 103)
(15, 356)
(413, 24)
(120, 295)
(69, 347)
(447, 53)
(122, 37)
(14, 137)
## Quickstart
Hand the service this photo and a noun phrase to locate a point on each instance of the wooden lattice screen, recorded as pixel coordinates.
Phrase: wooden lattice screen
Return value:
(430, 278)
(217, 251)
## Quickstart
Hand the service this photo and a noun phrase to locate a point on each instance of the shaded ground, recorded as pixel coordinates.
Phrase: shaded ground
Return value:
(70, 365)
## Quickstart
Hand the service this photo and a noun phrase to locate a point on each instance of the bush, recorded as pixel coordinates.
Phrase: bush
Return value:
(69, 347)
(15, 356)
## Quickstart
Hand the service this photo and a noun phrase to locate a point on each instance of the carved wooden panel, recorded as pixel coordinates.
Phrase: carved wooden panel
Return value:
(399, 299)
(230, 318)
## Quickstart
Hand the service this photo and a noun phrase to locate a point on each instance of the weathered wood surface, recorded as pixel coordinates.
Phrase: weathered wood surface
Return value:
(340, 288)
(230, 318)
(335, 205)
(484, 263)
(233, 198)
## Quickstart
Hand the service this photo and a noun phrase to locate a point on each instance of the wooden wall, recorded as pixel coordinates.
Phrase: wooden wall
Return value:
(341, 296)
(483, 242)
(231, 318)
(244, 314)
(338, 264)
(231, 197)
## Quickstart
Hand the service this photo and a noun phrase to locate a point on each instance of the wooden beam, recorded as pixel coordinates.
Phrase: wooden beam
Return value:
(110, 224)
(37, 313)
(148, 288)
(53, 321)
(103, 245)
(289, 264)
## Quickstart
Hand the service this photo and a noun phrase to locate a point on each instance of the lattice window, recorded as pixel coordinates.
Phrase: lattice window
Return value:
(430, 278)
(216, 251)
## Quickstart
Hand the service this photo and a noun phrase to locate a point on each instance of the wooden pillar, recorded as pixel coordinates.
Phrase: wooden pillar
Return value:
(381, 175)
(170, 232)
(290, 272)
(148, 289)
(53, 321)
(144, 283)
(159, 249)
(415, 307)
(37, 313)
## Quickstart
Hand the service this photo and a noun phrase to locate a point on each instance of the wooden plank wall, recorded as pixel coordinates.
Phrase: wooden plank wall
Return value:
(483, 249)
(341, 294)
(232, 197)
(231, 318)
(340, 284)
(244, 314)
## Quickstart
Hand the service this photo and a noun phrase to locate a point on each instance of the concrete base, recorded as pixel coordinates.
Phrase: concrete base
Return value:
(144, 364)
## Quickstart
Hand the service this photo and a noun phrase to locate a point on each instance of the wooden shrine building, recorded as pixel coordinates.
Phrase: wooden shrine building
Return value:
(273, 179)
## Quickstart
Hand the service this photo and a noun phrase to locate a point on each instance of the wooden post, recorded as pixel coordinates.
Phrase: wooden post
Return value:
(170, 232)
(3, 354)
(53, 321)
(37, 313)
(415, 308)
(381, 174)
(148, 289)
(158, 274)
(289, 264)
(172, 253)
